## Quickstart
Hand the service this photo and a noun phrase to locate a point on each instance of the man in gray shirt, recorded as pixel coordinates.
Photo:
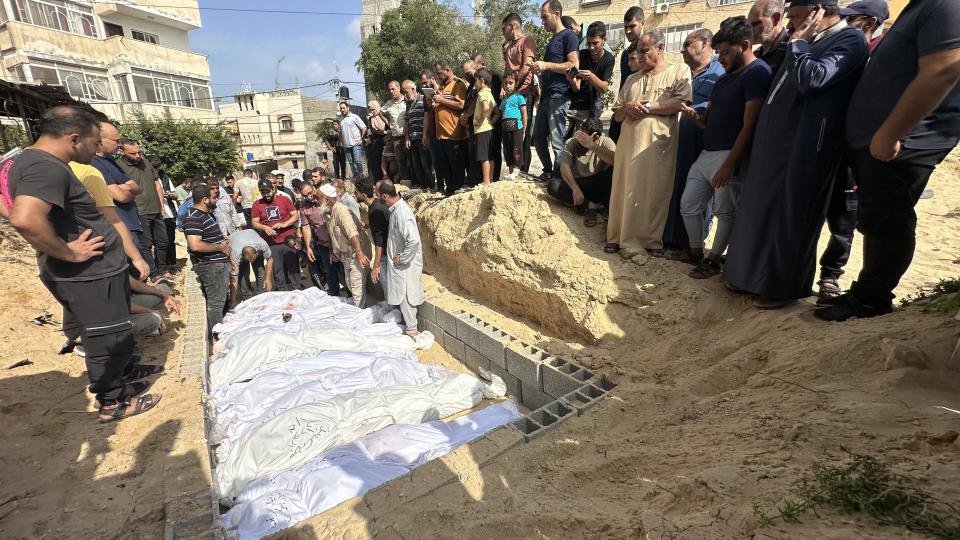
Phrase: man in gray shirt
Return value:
(396, 110)
(252, 271)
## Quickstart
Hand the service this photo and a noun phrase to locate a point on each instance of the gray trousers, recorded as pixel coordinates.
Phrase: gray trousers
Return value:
(409, 314)
(697, 194)
(214, 281)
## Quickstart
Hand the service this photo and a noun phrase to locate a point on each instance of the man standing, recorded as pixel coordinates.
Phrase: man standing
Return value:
(728, 122)
(352, 132)
(79, 253)
(795, 156)
(648, 105)
(247, 188)
(496, 137)
(767, 21)
(586, 169)
(519, 51)
(339, 156)
(592, 80)
(559, 56)
(346, 243)
(275, 217)
(404, 258)
(378, 217)
(153, 240)
(123, 189)
(396, 110)
(316, 239)
(415, 140)
(705, 69)
(225, 212)
(168, 209)
(209, 253)
(251, 266)
(633, 21)
(903, 120)
(448, 101)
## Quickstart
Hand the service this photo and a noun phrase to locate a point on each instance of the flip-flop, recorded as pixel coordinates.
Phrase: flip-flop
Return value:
(121, 411)
(590, 217)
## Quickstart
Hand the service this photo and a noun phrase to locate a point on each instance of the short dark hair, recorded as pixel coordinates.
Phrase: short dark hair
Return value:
(248, 172)
(831, 11)
(511, 74)
(592, 125)
(427, 72)
(484, 75)
(442, 63)
(200, 191)
(512, 18)
(364, 188)
(227, 177)
(554, 6)
(317, 170)
(634, 13)
(128, 142)
(597, 29)
(567, 21)
(733, 31)
(187, 182)
(387, 188)
(631, 49)
(66, 119)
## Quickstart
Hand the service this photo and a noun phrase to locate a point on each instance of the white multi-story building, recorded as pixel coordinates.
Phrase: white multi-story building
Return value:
(373, 11)
(120, 56)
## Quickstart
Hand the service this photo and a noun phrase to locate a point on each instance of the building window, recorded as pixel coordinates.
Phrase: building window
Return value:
(112, 29)
(286, 122)
(81, 83)
(144, 36)
(59, 15)
(675, 35)
(171, 90)
(295, 163)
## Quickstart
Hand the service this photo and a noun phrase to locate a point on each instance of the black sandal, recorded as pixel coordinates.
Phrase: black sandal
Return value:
(611, 248)
(658, 253)
(122, 409)
(590, 217)
(706, 269)
(130, 390)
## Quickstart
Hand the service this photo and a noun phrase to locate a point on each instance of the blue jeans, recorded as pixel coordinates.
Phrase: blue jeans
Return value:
(356, 164)
(551, 121)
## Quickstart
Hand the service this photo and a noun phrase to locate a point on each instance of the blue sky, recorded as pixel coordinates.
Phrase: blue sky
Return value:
(245, 47)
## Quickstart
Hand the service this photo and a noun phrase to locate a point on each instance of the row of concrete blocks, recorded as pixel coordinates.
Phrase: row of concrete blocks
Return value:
(552, 388)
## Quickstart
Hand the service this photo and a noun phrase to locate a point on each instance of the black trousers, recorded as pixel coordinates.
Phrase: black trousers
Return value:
(421, 165)
(596, 188)
(286, 268)
(453, 160)
(841, 222)
(171, 224)
(887, 219)
(527, 140)
(339, 163)
(496, 152)
(102, 309)
(374, 157)
(154, 242)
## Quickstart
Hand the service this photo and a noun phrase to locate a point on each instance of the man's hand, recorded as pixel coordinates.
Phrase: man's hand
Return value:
(587, 75)
(269, 231)
(142, 267)
(333, 257)
(225, 247)
(356, 141)
(375, 274)
(722, 176)
(268, 283)
(310, 255)
(883, 148)
(407, 143)
(689, 112)
(171, 304)
(396, 260)
(85, 247)
(363, 259)
(536, 67)
(585, 140)
(578, 197)
(277, 226)
(809, 26)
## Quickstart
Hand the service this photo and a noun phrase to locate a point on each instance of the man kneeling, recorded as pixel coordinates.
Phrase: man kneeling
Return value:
(586, 169)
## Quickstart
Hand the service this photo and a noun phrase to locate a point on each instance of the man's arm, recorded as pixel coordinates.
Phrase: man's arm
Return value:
(196, 243)
(268, 273)
(937, 74)
(125, 192)
(572, 60)
(411, 242)
(567, 174)
(132, 250)
(234, 289)
(751, 112)
(307, 234)
(29, 218)
(139, 287)
(291, 221)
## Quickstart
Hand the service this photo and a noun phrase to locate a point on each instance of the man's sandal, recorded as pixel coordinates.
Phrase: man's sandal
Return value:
(590, 217)
(706, 269)
(123, 409)
(130, 390)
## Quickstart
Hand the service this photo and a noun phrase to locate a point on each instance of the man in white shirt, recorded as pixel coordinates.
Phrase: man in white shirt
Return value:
(352, 131)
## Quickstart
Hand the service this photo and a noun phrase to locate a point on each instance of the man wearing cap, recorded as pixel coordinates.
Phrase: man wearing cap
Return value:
(277, 178)
(275, 217)
(867, 16)
(903, 120)
(345, 240)
(797, 146)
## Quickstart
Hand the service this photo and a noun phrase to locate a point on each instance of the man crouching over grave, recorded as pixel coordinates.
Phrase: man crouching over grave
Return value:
(404, 258)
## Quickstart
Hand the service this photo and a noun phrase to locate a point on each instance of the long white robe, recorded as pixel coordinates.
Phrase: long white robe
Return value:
(403, 280)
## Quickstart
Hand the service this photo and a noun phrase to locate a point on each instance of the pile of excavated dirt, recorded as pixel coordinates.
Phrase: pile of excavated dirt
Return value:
(719, 407)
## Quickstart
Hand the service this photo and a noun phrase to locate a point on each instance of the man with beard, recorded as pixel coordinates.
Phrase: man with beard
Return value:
(275, 217)
(448, 101)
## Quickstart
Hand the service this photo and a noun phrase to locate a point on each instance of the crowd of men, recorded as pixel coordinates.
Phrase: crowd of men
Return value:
(784, 119)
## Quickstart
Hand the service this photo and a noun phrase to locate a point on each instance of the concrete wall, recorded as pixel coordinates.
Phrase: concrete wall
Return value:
(168, 36)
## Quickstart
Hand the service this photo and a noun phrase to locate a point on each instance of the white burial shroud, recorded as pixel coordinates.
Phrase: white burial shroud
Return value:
(273, 503)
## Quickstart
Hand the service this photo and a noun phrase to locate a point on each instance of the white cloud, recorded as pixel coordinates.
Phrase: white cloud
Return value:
(354, 27)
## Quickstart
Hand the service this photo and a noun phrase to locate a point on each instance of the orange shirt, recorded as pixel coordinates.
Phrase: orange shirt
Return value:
(448, 120)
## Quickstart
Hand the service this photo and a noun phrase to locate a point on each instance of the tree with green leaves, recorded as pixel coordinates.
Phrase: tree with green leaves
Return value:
(186, 148)
(322, 129)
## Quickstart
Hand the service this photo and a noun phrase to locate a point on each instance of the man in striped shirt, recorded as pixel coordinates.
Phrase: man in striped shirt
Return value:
(209, 253)
(416, 142)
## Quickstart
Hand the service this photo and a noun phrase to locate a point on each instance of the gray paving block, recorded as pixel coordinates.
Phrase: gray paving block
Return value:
(584, 398)
(468, 328)
(533, 398)
(492, 343)
(447, 321)
(474, 360)
(514, 388)
(555, 382)
(525, 362)
(454, 346)
(560, 409)
(429, 311)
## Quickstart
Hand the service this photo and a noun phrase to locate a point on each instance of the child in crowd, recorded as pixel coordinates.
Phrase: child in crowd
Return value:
(512, 115)
(482, 126)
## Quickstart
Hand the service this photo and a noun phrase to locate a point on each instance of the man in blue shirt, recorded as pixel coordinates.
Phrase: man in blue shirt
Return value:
(560, 55)
(633, 21)
(123, 189)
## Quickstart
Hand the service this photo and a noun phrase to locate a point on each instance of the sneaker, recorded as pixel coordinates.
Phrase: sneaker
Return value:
(850, 308)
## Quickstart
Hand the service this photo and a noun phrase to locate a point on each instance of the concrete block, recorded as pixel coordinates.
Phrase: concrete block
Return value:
(604, 384)
(560, 409)
(421, 322)
(527, 428)
(513, 384)
(491, 342)
(454, 346)
(557, 383)
(429, 311)
(532, 397)
(583, 398)
(474, 360)
(468, 329)
(525, 362)
(435, 330)
(447, 321)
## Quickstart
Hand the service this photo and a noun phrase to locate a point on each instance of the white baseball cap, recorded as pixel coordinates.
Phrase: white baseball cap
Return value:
(278, 172)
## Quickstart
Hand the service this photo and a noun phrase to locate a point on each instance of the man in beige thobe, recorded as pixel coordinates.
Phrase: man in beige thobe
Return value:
(649, 106)
(345, 240)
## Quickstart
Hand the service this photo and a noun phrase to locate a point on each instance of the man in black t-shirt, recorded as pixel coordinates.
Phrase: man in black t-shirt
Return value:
(591, 80)
(378, 222)
(80, 255)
